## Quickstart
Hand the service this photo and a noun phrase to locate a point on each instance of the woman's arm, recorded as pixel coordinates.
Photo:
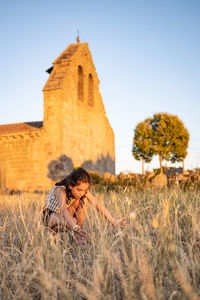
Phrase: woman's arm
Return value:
(104, 211)
(60, 193)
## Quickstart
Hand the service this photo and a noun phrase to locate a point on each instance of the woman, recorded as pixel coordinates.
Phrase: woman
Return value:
(67, 203)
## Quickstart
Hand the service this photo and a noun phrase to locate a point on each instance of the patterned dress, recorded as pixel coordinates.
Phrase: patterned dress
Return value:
(52, 201)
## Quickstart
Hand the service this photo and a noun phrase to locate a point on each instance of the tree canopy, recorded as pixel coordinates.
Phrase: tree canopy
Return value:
(142, 143)
(164, 135)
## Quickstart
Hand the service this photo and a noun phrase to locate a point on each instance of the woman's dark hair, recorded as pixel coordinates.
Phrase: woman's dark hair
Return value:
(74, 178)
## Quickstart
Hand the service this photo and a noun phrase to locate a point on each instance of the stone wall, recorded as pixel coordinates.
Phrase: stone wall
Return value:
(21, 161)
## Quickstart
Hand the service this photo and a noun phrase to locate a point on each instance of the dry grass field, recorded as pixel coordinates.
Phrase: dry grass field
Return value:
(156, 257)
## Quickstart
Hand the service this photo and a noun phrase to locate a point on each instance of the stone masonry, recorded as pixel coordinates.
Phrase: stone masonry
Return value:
(75, 130)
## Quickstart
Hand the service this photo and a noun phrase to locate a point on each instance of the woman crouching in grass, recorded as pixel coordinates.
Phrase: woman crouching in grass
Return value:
(67, 203)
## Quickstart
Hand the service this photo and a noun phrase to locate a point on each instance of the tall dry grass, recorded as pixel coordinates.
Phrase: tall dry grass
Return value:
(156, 257)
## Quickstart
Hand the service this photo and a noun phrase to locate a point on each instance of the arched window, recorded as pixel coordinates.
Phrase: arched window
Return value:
(90, 90)
(80, 83)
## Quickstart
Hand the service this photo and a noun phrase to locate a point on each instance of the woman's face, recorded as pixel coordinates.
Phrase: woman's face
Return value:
(79, 190)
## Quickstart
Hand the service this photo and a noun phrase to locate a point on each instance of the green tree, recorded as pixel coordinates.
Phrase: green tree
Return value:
(142, 143)
(169, 138)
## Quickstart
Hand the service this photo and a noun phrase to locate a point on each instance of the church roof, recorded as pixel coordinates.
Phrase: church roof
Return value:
(20, 127)
(67, 53)
(62, 62)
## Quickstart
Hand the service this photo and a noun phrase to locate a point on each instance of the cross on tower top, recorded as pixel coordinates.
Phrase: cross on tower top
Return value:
(78, 39)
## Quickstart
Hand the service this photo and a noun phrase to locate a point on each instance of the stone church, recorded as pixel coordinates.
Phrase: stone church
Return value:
(75, 130)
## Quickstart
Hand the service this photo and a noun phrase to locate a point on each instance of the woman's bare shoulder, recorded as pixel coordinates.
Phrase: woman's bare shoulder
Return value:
(91, 197)
(58, 189)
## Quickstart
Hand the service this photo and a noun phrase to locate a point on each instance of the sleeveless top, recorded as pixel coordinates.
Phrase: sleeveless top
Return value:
(52, 201)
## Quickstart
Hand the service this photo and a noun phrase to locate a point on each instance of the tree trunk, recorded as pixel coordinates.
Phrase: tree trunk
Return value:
(161, 168)
(143, 166)
(183, 167)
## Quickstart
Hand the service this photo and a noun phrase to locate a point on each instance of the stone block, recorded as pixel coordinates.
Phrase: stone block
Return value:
(159, 181)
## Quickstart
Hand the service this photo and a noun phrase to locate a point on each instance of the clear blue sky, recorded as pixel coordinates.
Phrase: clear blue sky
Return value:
(146, 54)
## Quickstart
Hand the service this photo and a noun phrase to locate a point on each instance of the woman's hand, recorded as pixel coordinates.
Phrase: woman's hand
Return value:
(81, 236)
(121, 223)
(83, 233)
